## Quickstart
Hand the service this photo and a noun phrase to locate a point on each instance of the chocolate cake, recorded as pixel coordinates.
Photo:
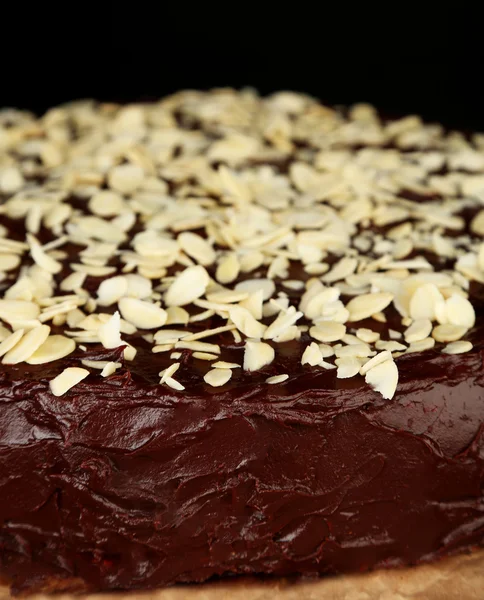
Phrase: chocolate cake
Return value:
(240, 336)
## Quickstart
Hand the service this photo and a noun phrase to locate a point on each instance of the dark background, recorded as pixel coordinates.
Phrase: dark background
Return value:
(396, 58)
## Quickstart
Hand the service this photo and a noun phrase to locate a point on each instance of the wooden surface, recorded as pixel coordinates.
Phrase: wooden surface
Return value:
(457, 578)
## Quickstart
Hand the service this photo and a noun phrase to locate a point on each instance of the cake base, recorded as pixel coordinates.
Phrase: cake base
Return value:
(457, 577)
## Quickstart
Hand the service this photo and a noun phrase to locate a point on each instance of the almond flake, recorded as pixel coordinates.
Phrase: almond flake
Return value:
(198, 346)
(366, 305)
(110, 368)
(348, 366)
(457, 347)
(257, 355)
(421, 345)
(190, 337)
(54, 348)
(142, 314)
(367, 335)
(106, 204)
(73, 282)
(189, 285)
(376, 360)
(459, 311)
(327, 331)
(125, 178)
(383, 378)
(326, 351)
(246, 323)
(176, 315)
(8, 262)
(418, 330)
(342, 269)
(42, 259)
(425, 302)
(283, 321)
(109, 333)
(448, 333)
(217, 377)
(29, 343)
(391, 346)
(228, 269)
(11, 341)
(18, 310)
(204, 356)
(197, 248)
(312, 355)
(221, 364)
(354, 350)
(66, 380)
(267, 286)
(129, 352)
(169, 371)
(277, 379)
(173, 383)
(111, 290)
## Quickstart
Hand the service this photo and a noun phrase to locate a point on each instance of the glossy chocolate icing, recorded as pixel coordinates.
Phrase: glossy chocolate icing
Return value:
(123, 484)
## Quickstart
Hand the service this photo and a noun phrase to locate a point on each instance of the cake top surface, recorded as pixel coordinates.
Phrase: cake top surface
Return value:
(219, 240)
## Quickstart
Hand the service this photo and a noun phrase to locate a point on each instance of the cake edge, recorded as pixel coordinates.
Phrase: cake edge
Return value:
(460, 576)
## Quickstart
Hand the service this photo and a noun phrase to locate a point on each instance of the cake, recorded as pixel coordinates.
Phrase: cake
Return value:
(239, 336)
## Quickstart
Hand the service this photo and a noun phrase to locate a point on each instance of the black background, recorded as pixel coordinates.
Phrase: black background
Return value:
(397, 58)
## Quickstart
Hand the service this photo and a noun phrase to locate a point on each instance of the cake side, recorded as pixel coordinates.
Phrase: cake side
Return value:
(241, 336)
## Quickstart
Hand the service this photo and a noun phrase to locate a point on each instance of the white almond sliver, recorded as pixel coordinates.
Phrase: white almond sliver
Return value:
(110, 333)
(174, 384)
(41, 258)
(383, 378)
(376, 360)
(112, 290)
(125, 178)
(312, 355)
(176, 315)
(421, 345)
(267, 286)
(246, 323)
(55, 347)
(327, 331)
(142, 314)
(110, 368)
(418, 330)
(197, 248)
(425, 301)
(367, 335)
(29, 343)
(228, 269)
(138, 286)
(18, 310)
(10, 341)
(189, 285)
(106, 204)
(366, 305)
(8, 262)
(217, 377)
(257, 355)
(460, 311)
(348, 366)
(4, 333)
(448, 333)
(67, 380)
(277, 379)
(221, 364)
(457, 347)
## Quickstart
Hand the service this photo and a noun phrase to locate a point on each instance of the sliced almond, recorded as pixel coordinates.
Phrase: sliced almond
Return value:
(29, 343)
(383, 378)
(257, 355)
(110, 333)
(448, 332)
(189, 285)
(142, 314)
(327, 331)
(457, 347)
(418, 330)
(277, 379)
(66, 380)
(366, 305)
(55, 347)
(217, 377)
(11, 341)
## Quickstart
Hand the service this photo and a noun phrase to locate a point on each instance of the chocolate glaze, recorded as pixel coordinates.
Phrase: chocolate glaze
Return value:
(123, 484)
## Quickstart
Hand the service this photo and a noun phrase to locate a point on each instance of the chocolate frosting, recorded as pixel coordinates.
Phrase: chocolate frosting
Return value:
(121, 484)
